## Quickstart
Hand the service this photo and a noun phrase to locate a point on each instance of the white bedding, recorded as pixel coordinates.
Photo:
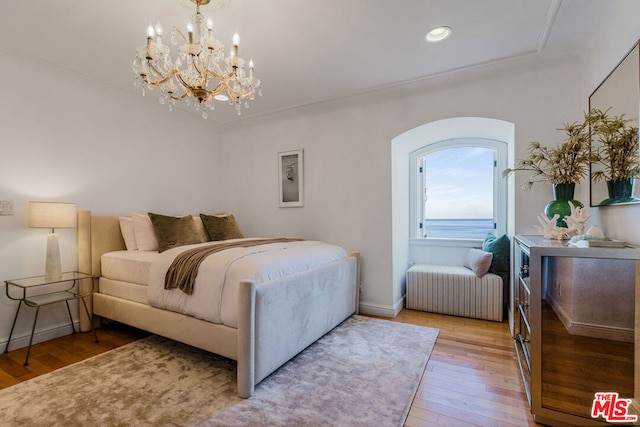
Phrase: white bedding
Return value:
(128, 266)
(125, 290)
(214, 297)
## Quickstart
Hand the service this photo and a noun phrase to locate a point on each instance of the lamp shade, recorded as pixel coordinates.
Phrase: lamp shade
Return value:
(52, 215)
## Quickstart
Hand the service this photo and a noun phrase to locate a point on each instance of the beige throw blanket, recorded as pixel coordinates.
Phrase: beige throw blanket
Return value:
(184, 268)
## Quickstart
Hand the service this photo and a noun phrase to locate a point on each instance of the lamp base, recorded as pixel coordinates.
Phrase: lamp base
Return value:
(53, 270)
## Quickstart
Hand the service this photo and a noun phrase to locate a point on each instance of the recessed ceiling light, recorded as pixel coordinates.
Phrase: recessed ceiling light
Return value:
(438, 34)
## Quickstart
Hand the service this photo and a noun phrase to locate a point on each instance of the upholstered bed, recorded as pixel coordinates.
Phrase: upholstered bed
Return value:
(264, 321)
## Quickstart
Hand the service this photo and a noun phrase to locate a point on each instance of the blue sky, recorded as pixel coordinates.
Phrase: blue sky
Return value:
(460, 183)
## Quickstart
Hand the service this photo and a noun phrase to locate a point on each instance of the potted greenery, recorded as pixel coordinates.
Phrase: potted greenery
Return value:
(562, 166)
(616, 153)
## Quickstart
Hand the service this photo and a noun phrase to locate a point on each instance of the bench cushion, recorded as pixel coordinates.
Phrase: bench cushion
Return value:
(454, 290)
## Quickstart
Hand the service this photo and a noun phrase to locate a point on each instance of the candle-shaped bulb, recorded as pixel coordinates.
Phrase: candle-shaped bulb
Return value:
(150, 35)
(251, 67)
(190, 32)
(234, 49)
(159, 29)
(209, 24)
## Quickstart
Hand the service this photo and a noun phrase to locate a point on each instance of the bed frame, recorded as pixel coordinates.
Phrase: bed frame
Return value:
(276, 320)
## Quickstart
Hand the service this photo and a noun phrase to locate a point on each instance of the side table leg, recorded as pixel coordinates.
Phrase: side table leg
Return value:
(90, 317)
(70, 318)
(6, 347)
(33, 329)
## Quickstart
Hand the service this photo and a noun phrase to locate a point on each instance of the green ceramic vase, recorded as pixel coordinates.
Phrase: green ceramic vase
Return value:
(562, 194)
(620, 191)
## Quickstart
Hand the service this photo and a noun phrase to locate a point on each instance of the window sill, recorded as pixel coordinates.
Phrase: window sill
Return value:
(444, 242)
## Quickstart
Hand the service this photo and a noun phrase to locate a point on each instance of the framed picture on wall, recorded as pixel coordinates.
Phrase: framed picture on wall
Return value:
(291, 178)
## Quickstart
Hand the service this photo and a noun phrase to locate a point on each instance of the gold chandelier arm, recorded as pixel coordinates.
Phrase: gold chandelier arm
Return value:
(154, 82)
(236, 94)
(224, 85)
(160, 81)
(202, 95)
(219, 77)
(213, 91)
(180, 97)
(182, 82)
(216, 90)
(177, 30)
(223, 78)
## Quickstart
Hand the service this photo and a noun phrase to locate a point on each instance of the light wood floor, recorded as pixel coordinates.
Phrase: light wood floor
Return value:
(472, 378)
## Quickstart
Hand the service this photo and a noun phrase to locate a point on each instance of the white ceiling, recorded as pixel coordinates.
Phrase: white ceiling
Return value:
(305, 51)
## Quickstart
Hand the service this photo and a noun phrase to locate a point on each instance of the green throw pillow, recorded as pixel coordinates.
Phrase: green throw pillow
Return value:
(500, 248)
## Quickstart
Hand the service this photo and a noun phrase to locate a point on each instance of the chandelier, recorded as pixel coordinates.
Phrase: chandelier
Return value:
(201, 73)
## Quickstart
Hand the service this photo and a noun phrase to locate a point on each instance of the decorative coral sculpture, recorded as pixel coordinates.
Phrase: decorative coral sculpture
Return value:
(549, 228)
(577, 220)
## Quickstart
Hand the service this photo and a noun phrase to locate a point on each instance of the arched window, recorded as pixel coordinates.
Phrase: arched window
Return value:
(457, 189)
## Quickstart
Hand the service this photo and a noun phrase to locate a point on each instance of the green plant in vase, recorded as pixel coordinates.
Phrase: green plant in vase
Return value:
(617, 153)
(562, 166)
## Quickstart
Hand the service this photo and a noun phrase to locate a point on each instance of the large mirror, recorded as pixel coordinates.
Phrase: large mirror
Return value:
(619, 92)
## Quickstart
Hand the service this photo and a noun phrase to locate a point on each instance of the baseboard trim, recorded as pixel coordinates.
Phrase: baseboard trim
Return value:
(377, 310)
(399, 305)
(601, 331)
(557, 308)
(22, 341)
(613, 333)
(382, 310)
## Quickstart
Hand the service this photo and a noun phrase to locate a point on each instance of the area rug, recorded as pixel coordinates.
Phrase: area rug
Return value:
(364, 372)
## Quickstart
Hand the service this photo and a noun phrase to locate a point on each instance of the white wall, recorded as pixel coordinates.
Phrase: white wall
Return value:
(348, 149)
(67, 139)
(347, 181)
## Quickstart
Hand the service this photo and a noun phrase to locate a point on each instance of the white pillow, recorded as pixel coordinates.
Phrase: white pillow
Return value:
(126, 228)
(145, 234)
(478, 261)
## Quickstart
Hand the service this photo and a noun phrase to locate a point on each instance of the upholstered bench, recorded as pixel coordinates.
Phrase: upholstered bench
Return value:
(455, 290)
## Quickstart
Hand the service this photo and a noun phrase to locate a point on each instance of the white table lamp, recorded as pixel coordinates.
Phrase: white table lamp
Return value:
(52, 215)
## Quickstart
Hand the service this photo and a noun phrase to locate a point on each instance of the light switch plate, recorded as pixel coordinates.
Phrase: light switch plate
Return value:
(6, 207)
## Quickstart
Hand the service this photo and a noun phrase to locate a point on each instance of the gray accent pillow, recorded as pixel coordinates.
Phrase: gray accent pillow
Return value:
(174, 231)
(221, 227)
(478, 261)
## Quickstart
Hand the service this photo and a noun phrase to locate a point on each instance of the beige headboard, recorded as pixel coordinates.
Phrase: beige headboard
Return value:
(96, 235)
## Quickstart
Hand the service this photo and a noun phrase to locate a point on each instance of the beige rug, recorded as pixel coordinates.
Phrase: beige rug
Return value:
(363, 373)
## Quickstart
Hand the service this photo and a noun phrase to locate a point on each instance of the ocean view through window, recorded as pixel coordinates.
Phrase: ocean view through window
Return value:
(459, 189)
(458, 228)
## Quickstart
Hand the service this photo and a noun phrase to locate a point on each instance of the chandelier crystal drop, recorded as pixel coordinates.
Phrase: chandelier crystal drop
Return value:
(201, 70)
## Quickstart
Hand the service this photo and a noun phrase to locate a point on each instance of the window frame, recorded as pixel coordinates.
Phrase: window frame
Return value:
(416, 184)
